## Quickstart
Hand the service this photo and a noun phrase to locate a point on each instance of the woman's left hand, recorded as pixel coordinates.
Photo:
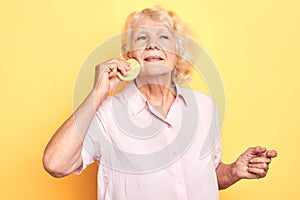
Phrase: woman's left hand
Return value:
(254, 162)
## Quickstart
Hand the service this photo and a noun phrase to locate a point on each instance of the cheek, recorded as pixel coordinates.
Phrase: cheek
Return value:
(137, 45)
(172, 60)
(136, 55)
(168, 46)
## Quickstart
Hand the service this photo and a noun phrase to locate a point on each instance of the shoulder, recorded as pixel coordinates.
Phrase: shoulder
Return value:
(202, 99)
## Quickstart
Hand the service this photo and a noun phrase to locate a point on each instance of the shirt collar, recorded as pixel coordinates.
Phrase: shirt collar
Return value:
(180, 94)
(137, 102)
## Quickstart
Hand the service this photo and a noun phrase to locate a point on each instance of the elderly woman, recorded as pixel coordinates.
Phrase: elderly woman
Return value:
(148, 138)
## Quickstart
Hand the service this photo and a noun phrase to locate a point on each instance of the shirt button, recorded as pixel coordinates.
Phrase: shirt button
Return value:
(179, 181)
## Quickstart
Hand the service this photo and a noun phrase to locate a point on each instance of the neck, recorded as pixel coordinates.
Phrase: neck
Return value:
(160, 94)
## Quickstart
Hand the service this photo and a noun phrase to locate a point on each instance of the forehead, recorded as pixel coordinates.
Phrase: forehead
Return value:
(147, 22)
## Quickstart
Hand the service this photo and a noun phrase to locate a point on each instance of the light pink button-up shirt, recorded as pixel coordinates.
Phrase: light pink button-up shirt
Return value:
(143, 155)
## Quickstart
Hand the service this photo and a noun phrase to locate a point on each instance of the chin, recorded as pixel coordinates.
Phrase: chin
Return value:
(155, 69)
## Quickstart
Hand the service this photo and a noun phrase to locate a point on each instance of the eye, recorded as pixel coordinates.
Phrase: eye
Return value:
(142, 37)
(164, 37)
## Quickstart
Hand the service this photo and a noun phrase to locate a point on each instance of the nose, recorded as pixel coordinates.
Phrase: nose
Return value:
(152, 44)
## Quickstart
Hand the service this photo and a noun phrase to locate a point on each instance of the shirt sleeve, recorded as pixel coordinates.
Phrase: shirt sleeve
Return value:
(87, 159)
(217, 159)
(212, 141)
(91, 149)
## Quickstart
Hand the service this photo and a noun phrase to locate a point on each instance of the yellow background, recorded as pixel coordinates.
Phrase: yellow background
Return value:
(255, 45)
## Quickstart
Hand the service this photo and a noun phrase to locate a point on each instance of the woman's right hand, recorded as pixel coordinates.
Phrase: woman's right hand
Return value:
(105, 76)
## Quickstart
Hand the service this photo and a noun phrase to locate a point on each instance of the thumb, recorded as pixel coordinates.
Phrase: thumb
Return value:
(256, 150)
(271, 154)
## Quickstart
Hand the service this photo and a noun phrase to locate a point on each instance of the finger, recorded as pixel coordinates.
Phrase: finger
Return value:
(124, 67)
(271, 154)
(111, 70)
(260, 173)
(251, 175)
(256, 150)
(260, 160)
(127, 66)
(112, 67)
(263, 166)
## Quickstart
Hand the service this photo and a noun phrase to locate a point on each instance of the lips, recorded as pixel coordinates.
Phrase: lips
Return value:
(153, 59)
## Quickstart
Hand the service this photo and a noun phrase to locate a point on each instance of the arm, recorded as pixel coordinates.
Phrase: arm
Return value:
(252, 164)
(62, 155)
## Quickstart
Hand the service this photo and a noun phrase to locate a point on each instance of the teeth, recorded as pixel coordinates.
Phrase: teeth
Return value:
(153, 58)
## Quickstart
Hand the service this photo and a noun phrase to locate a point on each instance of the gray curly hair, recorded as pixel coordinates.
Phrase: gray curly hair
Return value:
(186, 48)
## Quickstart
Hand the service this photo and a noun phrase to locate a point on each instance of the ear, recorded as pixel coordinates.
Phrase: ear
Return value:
(128, 55)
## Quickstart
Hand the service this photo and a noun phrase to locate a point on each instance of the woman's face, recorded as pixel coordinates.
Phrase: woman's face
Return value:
(153, 45)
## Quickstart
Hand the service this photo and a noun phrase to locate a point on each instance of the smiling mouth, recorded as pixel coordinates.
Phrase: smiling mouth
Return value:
(153, 59)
